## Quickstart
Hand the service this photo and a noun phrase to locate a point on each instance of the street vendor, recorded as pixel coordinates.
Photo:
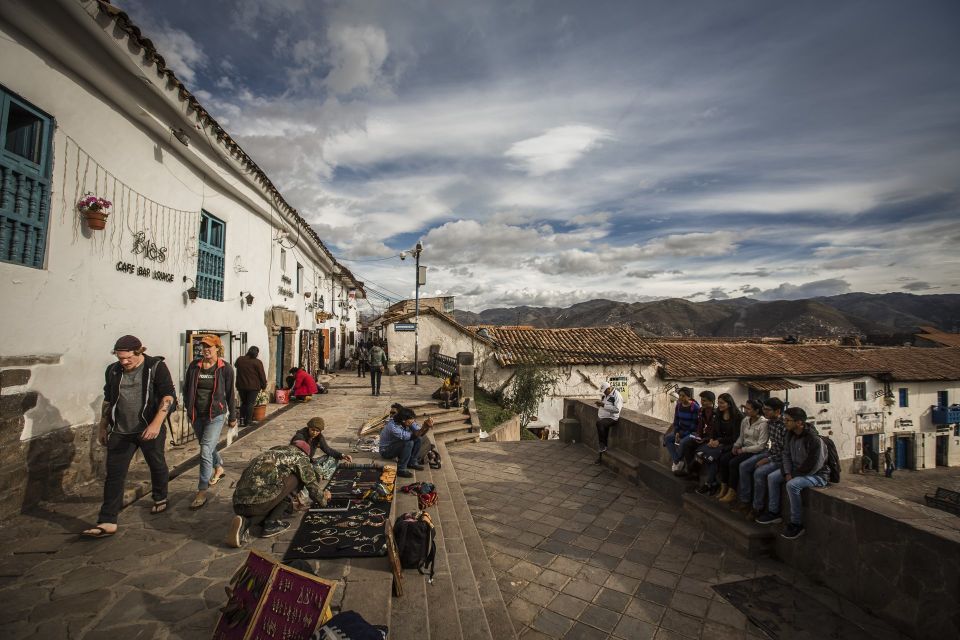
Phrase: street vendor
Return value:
(400, 440)
(450, 392)
(312, 434)
(262, 493)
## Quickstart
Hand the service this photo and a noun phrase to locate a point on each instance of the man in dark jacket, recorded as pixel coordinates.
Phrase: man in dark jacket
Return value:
(804, 465)
(138, 395)
(251, 380)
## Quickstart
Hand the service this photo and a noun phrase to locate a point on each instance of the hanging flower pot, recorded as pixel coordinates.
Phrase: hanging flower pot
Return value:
(95, 211)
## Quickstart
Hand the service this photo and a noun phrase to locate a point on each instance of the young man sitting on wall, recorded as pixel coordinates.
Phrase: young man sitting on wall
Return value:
(804, 465)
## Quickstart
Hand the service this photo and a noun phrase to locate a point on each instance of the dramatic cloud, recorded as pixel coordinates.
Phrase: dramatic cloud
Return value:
(557, 149)
(181, 52)
(918, 286)
(787, 291)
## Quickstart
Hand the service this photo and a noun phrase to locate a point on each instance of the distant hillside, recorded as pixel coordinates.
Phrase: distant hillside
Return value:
(848, 314)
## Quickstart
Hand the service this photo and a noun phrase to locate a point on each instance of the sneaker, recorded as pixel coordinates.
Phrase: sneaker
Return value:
(415, 467)
(768, 518)
(274, 528)
(704, 489)
(793, 531)
(675, 467)
(238, 527)
(603, 448)
(403, 473)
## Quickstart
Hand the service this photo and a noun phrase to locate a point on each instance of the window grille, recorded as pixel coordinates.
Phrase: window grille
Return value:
(823, 393)
(860, 391)
(211, 258)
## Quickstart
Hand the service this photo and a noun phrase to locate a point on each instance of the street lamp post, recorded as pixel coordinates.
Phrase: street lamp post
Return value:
(416, 326)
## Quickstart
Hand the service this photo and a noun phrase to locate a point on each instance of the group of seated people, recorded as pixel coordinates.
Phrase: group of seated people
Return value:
(748, 453)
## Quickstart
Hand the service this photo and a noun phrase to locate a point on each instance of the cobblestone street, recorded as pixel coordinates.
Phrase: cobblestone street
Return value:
(161, 576)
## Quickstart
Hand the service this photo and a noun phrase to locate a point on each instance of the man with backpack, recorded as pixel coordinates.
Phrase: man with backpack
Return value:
(377, 359)
(138, 396)
(804, 464)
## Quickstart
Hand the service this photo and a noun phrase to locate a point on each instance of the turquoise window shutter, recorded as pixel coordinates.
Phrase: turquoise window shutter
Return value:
(211, 257)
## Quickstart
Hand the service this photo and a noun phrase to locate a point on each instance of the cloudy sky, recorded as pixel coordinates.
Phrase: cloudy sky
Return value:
(548, 152)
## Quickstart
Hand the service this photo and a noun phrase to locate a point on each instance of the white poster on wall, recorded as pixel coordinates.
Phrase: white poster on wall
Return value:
(620, 384)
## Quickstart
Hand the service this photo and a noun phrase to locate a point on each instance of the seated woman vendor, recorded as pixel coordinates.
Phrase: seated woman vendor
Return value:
(450, 392)
(312, 434)
(262, 493)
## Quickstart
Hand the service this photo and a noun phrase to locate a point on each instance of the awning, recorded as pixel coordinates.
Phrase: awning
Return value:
(771, 384)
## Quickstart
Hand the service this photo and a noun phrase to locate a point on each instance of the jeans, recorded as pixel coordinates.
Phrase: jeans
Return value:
(403, 451)
(247, 399)
(120, 450)
(673, 447)
(603, 430)
(689, 446)
(889, 471)
(732, 468)
(794, 487)
(361, 369)
(710, 455)
(760, 475)
(747, 468)
(208, 435)
(375, 374)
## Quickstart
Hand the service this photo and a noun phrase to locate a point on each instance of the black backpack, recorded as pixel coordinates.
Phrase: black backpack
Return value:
(833, 459)
(416, 542)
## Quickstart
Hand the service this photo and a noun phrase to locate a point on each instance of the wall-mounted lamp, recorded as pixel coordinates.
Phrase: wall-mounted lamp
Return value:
(181, 136)
(248, 297)
(192, 292)
(319, 304)
(306, 294)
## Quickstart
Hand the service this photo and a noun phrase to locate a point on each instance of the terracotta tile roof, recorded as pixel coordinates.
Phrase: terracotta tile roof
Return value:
(771, 384)
(915, 363)
(746, 360)
(940, 337)
(583, 345)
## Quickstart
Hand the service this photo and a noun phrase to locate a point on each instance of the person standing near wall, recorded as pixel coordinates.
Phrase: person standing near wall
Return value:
(888, 465)
(610, 403)
(209, 401)
(377, 361)
(251, 380)
(138, 395)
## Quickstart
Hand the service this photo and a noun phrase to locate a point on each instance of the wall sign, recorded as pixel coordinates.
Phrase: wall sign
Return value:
(620, 384)
(287, 293)
(404, 326)
(148, 248)
(869, 424)
(144, 272)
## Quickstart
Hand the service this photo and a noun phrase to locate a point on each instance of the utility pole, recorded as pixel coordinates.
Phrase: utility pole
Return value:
(416, 326)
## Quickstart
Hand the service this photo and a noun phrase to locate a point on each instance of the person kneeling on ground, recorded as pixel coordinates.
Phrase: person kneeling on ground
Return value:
(704, 433)
(312, 434)
(304, 385)
(263, 490)
(400, 440)
(804, 465)
(610, 403)
(685, 418)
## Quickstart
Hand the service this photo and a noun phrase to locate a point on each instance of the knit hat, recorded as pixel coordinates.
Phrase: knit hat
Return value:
(128, 343)
(316, 423)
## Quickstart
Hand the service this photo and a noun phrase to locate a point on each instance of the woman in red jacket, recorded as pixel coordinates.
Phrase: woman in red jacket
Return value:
(304, 385)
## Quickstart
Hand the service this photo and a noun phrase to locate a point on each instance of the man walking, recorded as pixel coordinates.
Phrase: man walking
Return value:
(377, 361)
(888, 465)
(804, 466)
(362, 356)
(610, 403)
(137, 397)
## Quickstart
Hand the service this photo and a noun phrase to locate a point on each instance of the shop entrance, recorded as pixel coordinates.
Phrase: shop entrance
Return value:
(870, 448)
(904, 452)
(943, 441)
(283, 350)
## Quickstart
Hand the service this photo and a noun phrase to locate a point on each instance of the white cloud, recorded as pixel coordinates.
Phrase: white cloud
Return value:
(556, 149)
(788, 291)
(181, 53)
(357, 54)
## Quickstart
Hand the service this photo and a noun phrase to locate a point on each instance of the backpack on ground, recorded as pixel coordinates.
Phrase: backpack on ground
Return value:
(416, 542)
(833, 459)
(432, 457)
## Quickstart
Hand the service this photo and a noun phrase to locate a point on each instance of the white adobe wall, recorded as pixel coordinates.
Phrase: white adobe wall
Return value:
(433, 330)
(79, 303)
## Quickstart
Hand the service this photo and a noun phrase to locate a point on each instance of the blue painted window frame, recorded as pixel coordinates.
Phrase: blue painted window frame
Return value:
(904, 397)
(943, 399)
(211, 256)
(24, 189)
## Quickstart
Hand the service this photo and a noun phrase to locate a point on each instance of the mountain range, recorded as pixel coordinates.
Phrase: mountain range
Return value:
(895, 315)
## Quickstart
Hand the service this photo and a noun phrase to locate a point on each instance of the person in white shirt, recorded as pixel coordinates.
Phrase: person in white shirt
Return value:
(610, 403)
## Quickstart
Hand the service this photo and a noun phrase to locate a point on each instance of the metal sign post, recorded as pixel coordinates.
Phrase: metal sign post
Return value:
(416, 330)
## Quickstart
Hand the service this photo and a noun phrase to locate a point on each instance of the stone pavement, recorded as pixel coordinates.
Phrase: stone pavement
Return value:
(580, 553)
(163, 576)
(907, 484)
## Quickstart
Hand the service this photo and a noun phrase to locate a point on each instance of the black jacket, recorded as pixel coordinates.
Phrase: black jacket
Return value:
(223, 399)
(250, 374)
(317, 443)
(157, 383)
(726, 431)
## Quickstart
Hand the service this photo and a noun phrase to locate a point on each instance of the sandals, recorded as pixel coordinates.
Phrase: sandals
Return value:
(158, 507)
(217, 477)
(100, 532)
(198, 501)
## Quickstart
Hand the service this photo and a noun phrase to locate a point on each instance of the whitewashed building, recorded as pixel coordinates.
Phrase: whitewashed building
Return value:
(198, 238)
(439, 333)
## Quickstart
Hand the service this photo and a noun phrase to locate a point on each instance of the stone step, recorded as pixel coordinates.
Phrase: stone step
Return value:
(621, 463)
(451, 418)
(491, 620)
(732, 527)
(451, 428)
(462, 439)
(662, 480)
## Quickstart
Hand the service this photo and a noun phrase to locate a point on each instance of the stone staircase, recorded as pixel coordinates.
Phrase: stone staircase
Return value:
(464, 602)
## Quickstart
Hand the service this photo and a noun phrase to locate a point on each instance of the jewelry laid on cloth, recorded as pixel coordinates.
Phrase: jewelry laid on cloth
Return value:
(351, 533)
(308, 548)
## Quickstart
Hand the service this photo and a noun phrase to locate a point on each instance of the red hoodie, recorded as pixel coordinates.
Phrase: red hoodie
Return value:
(304, 385)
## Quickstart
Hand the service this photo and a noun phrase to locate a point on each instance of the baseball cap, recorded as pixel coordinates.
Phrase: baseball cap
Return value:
(604, 385)
(211, 340)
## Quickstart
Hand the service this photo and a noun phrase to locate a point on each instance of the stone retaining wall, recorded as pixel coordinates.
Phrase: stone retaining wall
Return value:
(900, 561)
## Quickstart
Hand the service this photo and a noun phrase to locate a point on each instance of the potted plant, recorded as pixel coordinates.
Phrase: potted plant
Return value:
(260, 406)
(95, 211)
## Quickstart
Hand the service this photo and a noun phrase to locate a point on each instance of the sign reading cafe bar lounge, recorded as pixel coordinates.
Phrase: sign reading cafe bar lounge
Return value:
(151, 251)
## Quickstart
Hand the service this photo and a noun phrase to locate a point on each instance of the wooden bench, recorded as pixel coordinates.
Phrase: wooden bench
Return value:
(944, 499)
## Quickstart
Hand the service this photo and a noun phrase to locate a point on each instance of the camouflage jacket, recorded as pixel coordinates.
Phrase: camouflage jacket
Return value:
(262, 481)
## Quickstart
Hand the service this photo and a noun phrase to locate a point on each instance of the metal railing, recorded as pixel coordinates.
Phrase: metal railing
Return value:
(442, 365)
